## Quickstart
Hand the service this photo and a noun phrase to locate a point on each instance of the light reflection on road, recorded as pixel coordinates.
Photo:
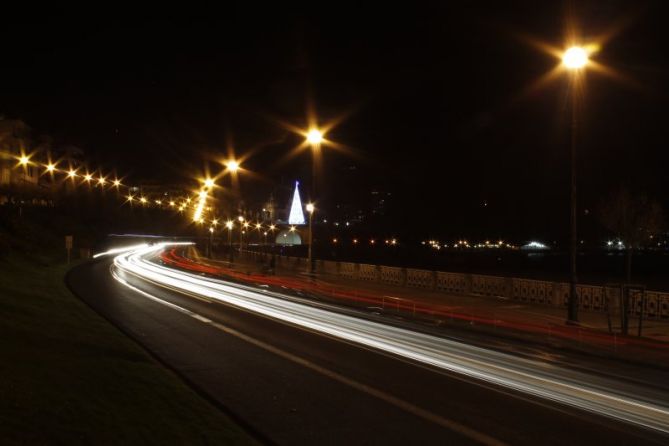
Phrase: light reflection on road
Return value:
(605, 396)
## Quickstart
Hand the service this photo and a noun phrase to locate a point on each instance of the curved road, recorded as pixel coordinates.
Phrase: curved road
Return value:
(297, 374)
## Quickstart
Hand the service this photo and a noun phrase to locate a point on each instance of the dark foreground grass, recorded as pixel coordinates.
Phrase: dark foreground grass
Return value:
(68, 377)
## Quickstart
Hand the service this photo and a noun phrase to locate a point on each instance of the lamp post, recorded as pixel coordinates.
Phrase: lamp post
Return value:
(310, 264)
(211, 240)
(314, 138)
(228, 225)
(241, 232)
(574, 60)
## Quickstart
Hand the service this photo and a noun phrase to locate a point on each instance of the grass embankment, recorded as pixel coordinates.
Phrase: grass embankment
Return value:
(69, 377)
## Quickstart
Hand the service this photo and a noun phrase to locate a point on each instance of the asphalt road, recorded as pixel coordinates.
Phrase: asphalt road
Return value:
(292, 385)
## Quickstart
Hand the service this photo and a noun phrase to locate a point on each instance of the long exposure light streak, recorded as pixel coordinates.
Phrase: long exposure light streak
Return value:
(620, 400)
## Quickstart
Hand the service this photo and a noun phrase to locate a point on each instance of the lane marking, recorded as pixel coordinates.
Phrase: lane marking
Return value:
(379, 394)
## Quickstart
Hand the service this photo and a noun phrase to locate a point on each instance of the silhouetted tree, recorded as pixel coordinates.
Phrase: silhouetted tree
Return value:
(635, 219)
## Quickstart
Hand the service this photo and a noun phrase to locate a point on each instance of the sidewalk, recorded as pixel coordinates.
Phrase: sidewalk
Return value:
(541, 322)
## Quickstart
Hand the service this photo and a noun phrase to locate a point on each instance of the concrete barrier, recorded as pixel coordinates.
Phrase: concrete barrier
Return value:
(392, 275)
(421, 278)
(591, 297)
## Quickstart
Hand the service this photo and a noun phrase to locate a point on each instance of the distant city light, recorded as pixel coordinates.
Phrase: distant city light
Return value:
(534, 245)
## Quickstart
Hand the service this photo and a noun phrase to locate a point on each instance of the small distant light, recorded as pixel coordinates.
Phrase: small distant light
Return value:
(334, 240)
(209, 182)
(117, 183)
(50, 167)
(72, 174)
(310, 207)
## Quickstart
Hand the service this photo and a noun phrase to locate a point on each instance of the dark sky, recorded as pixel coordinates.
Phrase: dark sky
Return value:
(432, 98)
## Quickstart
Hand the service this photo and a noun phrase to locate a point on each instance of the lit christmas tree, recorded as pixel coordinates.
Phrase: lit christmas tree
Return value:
(296, 216)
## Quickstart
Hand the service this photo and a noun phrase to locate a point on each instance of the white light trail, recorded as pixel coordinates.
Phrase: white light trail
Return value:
(120, 250)
(616, 399)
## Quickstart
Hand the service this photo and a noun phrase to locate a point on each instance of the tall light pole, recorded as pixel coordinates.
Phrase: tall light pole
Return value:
(310, 265)
(241, 231)
(574, 59)
(314, 138)
(228, 225)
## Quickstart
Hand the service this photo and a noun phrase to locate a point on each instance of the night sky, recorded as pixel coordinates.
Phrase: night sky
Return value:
(433, 101)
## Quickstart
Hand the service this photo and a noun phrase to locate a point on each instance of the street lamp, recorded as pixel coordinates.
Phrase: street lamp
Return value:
(211, 239)
(310, 265)
(314, 136)
(241, 232)
(232, 166)
(228, 224)
(574, 60)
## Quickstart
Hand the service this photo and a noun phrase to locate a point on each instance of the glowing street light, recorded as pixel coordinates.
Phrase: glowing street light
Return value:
(209, 183)
(102, 181)
(232, 166)
(50, 168)
(314, 136)
(24, 160)
(88, 177)
(228, 225)
(575, 58)
(72, 174)
(117, 183)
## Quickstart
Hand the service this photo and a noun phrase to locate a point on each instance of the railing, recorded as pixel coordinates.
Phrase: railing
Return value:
(652, 305)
